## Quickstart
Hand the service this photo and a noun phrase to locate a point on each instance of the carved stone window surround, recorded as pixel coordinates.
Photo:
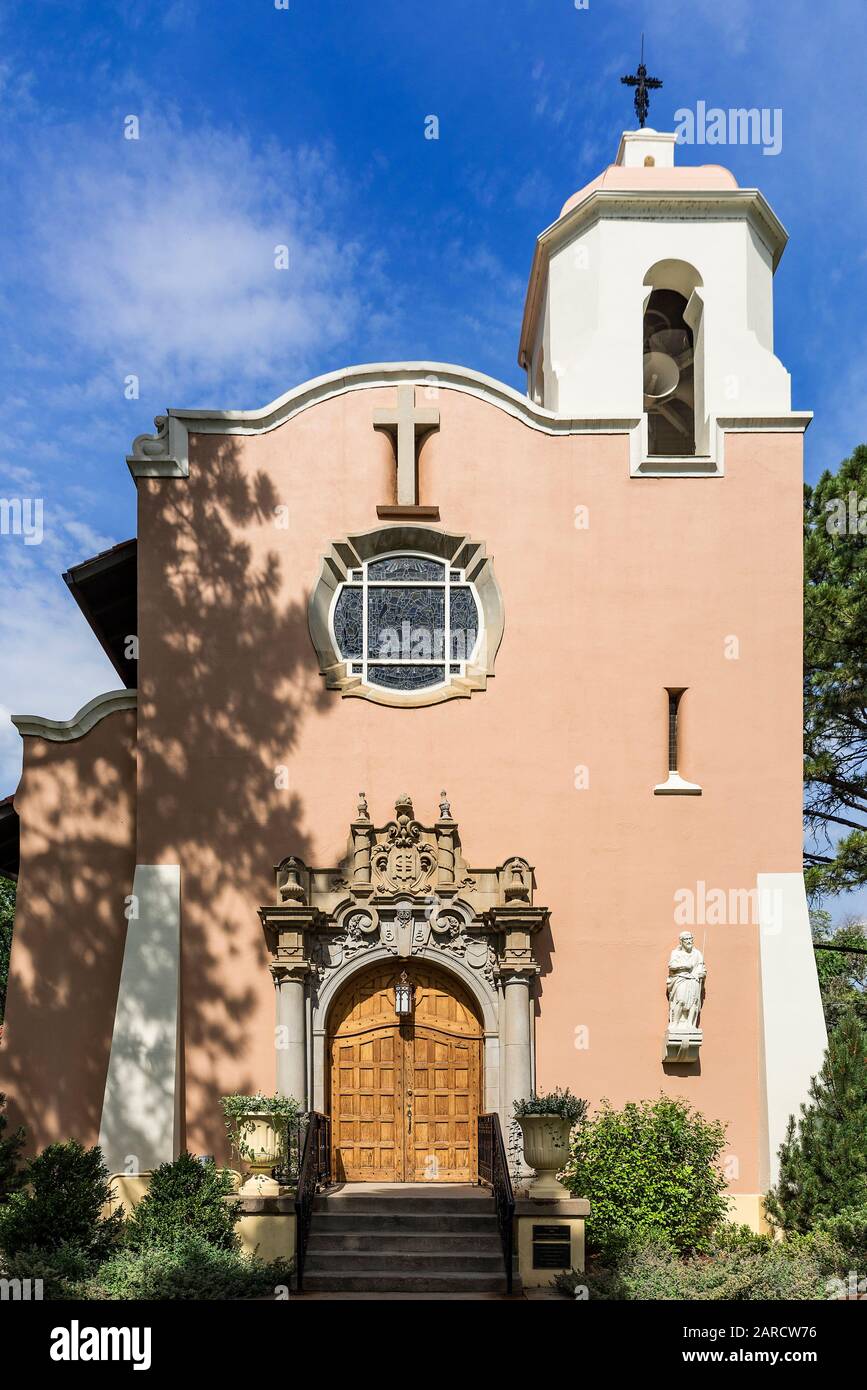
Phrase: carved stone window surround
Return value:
(348, 557)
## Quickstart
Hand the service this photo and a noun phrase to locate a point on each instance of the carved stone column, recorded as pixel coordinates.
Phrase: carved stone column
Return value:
(288, 930)
(517, 1052)
(518, 921)
(290, 1039)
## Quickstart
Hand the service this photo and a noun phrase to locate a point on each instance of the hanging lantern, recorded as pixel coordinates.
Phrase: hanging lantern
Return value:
(403, 996)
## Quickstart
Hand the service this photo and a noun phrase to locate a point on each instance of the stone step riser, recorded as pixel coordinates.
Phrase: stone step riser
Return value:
(374, 1221)
(428, 1206)
(402, 1266)
(389, 1283)
(405, 1241)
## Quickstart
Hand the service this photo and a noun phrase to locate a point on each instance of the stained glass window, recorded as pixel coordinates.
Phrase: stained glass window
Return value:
(348, 620)
(406, 622)
(405, 567)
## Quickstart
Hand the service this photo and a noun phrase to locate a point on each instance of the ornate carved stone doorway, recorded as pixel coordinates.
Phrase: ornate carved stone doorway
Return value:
(405, 1091)
(404, 896)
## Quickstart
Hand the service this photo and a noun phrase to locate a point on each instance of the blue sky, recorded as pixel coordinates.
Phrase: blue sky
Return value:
(305, 127)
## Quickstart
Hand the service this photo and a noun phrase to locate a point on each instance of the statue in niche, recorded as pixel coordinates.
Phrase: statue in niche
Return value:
(686, 976)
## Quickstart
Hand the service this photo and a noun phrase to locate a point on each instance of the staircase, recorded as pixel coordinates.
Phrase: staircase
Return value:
(408, 1238)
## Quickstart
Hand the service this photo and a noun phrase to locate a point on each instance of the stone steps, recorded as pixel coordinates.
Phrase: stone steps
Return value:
(404, 1242)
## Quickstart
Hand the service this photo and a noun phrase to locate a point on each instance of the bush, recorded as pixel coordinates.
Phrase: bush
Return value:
(185, 1197)
(838, 1243)
(65, 1272)
(67, 1190)
(11, 1145)
(823, 1160)
(732, 1238)
(654, 1270)
(191, 1268)
(650, 1169)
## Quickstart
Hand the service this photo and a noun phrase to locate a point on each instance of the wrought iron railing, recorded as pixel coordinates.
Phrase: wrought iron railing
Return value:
(288, 1166)
(494, 1170)
(314, 1171)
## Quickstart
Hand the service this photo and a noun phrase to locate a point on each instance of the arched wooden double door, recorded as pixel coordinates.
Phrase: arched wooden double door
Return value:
(405, 1093)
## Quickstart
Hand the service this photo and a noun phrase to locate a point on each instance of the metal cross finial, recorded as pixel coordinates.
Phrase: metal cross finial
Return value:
(642, 84)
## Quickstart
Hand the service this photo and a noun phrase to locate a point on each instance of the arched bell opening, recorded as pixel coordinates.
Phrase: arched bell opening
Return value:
(673, 369)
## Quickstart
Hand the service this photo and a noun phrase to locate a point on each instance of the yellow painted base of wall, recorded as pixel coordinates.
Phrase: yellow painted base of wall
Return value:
(268, 1235)
(128, 1189)
(748, 1209)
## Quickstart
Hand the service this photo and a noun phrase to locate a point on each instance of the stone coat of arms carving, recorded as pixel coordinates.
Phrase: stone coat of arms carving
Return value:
(404, 887)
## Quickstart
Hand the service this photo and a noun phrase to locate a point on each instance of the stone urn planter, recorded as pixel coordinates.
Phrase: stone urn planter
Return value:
(262, 1153)
(261, 1129)
(546, 1123)
(546, 1149)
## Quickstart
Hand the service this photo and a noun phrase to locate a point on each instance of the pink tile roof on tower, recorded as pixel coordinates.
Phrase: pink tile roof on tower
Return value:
(618, 178)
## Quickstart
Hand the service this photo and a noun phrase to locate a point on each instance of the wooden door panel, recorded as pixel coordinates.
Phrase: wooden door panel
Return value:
(366, 1107)
(405, 1098)
(444, 1084)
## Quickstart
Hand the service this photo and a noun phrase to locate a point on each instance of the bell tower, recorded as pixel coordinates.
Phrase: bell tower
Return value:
(651, 300)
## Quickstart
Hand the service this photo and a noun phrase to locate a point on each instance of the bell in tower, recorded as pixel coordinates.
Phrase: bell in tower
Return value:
(650, 302)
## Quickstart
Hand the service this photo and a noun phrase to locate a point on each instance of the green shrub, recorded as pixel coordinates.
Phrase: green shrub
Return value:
(191, 1268)
(650, 1169)
(11, 1145)
(65, 1272)
(185, 1197)
(67, 1188)
(823, 1160)
(732, 1237)
(653, 1270)
(838, 1243)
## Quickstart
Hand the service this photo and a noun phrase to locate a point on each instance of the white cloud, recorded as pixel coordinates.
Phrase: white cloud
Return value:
(52, 663)
(159, 254)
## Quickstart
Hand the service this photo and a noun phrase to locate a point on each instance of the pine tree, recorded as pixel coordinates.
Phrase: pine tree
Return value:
(823, 1160)
(835, 677)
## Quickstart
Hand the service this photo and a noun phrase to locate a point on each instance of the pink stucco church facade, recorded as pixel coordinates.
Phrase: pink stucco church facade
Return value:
(420, 674)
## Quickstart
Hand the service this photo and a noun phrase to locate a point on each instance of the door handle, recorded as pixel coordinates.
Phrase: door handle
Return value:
(409, 1118)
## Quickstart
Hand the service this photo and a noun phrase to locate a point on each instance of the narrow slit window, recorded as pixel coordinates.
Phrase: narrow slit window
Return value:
(674, 698)
(675, 785)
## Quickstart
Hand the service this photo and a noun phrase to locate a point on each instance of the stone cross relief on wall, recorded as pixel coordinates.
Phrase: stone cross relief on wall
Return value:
(407, 424)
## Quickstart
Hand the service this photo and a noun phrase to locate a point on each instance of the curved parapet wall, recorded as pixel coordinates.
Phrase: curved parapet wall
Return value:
(65, 730)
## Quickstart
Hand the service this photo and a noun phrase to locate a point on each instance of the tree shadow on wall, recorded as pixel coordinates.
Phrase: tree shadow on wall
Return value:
(227, 674)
